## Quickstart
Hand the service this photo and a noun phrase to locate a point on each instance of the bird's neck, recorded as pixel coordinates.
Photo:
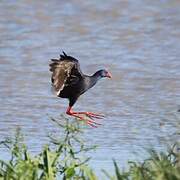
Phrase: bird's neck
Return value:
(96, 76)
(90, 81)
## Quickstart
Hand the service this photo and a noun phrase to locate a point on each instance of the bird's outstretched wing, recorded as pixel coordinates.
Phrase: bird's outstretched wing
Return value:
(65, 72)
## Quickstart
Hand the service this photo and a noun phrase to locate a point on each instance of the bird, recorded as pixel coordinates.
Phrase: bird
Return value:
(68, 81)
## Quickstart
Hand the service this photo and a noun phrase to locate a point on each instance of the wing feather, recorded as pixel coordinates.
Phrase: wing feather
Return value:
(65, 71)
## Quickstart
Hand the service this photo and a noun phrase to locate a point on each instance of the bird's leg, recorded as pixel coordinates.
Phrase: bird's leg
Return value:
(71, 113)
(90, 121)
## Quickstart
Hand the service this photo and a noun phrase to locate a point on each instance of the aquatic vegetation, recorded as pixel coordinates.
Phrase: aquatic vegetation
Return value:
(62, 161)
(159, 166)
(63, 158)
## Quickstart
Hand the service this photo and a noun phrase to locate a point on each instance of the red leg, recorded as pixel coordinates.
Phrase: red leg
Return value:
(90, 121)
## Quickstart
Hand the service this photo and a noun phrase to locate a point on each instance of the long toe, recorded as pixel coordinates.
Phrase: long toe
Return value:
(88, 119)
(93, 116)
(90, 113)
(79, 117)
(98, 116)
(93, 123)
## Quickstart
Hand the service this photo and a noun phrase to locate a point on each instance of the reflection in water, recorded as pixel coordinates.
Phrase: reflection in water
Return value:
(140, 46)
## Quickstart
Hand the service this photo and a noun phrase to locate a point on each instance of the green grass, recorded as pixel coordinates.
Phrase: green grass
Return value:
(63, 158)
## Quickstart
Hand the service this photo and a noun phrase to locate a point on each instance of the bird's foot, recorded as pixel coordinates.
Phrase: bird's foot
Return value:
(92, 115)
(89, 121)
(92, 123)
(89, 117)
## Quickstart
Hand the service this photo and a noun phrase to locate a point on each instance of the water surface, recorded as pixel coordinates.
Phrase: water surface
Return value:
(138, 41)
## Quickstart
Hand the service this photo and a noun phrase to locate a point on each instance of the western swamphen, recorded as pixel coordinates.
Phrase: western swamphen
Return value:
(69, 82)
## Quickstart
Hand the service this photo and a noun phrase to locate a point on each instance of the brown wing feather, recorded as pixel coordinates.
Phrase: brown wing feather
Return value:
(65, 71)
(61, 70)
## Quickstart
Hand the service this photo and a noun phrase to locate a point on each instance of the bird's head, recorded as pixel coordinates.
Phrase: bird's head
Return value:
(104, 73)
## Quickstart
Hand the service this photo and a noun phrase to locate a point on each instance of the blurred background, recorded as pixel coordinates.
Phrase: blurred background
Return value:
(137, 41)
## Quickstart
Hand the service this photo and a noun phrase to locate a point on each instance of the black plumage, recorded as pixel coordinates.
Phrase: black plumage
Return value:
(68, 81)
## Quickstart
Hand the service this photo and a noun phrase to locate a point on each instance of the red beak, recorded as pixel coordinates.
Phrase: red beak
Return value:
(109, 75)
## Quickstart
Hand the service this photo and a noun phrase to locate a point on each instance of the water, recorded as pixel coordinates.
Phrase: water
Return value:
(138, 41)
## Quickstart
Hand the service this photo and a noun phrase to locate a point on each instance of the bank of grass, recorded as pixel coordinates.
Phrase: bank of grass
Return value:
(63, 158)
